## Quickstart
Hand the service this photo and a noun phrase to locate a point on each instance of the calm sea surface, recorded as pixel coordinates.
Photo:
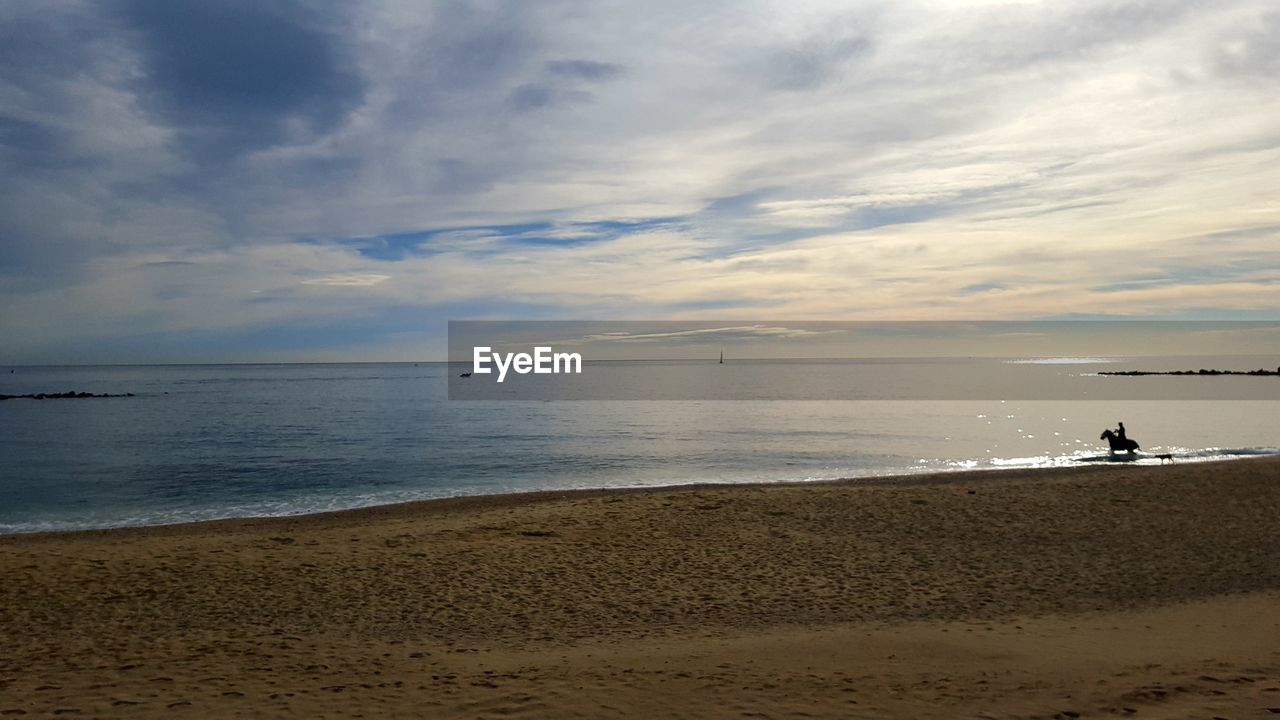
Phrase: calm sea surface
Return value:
(214, 441)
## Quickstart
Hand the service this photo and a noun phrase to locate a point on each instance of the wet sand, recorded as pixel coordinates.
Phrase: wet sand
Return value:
(1095, 592)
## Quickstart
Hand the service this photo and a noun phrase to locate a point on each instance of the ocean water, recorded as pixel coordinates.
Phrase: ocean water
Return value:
(200, 442)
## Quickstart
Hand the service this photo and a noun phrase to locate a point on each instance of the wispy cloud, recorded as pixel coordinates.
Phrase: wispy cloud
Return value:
(348, 280)
(202, 170)
(736, 333)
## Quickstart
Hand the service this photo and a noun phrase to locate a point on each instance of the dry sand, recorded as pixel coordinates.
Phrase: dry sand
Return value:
(1110, 591)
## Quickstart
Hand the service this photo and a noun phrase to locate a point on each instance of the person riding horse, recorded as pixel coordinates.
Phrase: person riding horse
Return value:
(1119, 441)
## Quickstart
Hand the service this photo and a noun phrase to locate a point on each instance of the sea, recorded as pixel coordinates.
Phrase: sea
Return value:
(204, 442)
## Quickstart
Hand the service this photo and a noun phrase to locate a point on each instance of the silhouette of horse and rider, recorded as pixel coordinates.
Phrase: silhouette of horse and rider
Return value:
(1118, 440)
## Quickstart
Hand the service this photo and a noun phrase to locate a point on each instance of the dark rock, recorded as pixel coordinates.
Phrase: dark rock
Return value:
(1201, 371)
(69, 395)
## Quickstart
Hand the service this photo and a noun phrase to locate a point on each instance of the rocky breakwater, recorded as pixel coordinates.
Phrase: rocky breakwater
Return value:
(69, 395)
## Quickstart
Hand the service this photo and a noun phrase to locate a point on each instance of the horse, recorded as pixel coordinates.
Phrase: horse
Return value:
(1119, 443)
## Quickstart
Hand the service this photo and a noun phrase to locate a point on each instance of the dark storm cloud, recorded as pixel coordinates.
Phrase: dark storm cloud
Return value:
(238, 76)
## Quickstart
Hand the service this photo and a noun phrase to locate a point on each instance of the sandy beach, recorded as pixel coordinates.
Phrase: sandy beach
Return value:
(1097, 592)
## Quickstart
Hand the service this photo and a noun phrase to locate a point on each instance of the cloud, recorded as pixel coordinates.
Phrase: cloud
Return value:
(348, 280)
(812, 63)
(232, 77)
(736, 333)
(584, 69)
(199, 169)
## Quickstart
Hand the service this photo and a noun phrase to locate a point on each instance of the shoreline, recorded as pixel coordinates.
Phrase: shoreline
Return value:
(1015, 594)
(470, 502)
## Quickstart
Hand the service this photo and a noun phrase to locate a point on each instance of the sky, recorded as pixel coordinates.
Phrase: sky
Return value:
(244, 181)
